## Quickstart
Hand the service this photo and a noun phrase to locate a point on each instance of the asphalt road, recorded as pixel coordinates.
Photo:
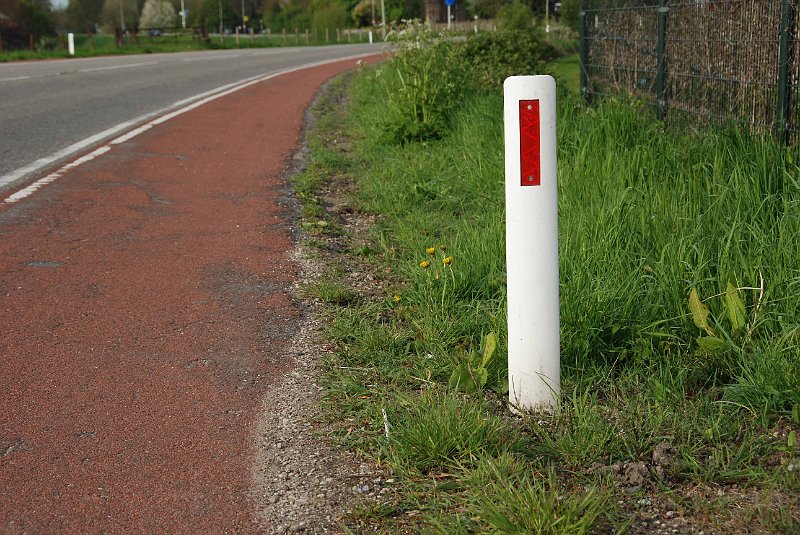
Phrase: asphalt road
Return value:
(46, 107)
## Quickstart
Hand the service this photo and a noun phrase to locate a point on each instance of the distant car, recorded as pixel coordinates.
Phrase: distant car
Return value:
(155, 33)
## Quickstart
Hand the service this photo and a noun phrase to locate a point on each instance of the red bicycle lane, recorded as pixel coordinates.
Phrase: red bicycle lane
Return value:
(144, 307)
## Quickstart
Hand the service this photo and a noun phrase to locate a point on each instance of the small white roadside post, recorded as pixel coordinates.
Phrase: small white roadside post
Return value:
(534, 359)
(71, 43)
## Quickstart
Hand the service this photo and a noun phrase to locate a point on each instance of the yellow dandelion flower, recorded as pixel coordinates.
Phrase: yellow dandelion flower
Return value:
(447, 261)
(430, 250)
(396, 298)
(424, 264)
(442, 247)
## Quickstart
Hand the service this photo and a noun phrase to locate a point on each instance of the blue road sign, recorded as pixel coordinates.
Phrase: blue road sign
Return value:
(449, 2)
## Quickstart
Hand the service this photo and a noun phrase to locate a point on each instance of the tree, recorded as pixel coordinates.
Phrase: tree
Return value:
(289, 15)
(157, 14)
(514, 16)
(483, 9)
(206, 13)
(28, 16)
(328, 15)
(36, 16)
(115, 12)
(569, 13)
(84, 15)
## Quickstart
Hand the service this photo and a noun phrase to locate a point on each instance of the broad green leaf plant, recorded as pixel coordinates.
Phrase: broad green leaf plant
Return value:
(718, 339)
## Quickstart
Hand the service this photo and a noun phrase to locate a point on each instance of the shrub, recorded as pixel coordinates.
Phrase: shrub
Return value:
(428, 75)
(494, 56)
(422, 83)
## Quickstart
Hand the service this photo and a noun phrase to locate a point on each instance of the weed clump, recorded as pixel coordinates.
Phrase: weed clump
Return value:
(429, 76)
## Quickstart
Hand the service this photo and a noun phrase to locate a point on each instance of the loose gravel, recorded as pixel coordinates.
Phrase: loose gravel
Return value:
(303, 483)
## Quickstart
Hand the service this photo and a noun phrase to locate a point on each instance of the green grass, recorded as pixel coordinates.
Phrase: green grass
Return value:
(567, 72)
(646, 215)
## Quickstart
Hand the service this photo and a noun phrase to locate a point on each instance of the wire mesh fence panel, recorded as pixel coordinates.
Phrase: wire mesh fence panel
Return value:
(621, 39)
(719, 60)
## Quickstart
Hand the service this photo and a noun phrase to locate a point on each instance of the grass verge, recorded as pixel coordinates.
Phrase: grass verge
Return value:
(680, 320)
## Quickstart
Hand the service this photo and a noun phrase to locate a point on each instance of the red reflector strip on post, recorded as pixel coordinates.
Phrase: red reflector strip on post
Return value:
(529, 146)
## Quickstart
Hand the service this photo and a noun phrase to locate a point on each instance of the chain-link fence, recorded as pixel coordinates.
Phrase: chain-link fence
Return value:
(708, 60)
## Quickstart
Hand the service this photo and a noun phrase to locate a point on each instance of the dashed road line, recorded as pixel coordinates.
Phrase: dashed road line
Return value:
(115, 67)
(31, 76)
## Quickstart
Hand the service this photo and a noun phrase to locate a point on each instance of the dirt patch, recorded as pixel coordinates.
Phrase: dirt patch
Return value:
(305, 484)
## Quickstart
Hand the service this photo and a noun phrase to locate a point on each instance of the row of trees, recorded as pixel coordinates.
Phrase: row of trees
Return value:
(39, 17)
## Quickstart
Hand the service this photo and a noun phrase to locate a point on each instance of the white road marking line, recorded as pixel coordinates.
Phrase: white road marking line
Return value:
(88, 69)
(21, 194)
(30, 77)
(132, 134)
(204, 58)
(115, 67)
(163, 115)
(63, 153)
(265, 52)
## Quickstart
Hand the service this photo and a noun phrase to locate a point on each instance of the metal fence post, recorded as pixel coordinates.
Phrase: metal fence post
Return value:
(783, 110)
(661, 65)
(584, 47)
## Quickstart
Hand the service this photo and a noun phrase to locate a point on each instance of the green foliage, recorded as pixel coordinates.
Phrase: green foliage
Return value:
(34, 16)
(735, 311)
(396, 11)
(439, 430)
(527, 504)
(429, 75)
(494, 56)
(83, 15)
(472, 371)
(569, 13)
(329, 16)
(422, 84)
(332, 293)
(207, 13)
(483, 9)
(514, 16)
(768, 379)
(294, 14)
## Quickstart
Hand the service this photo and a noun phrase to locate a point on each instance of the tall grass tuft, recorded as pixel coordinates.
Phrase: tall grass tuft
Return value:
(441, 431)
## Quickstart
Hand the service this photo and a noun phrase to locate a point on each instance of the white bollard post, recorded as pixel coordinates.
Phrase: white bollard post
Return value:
(71, 43)
(370, 37)
(534, 360)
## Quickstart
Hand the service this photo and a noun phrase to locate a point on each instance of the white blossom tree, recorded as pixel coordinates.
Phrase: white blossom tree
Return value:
(157, 14)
